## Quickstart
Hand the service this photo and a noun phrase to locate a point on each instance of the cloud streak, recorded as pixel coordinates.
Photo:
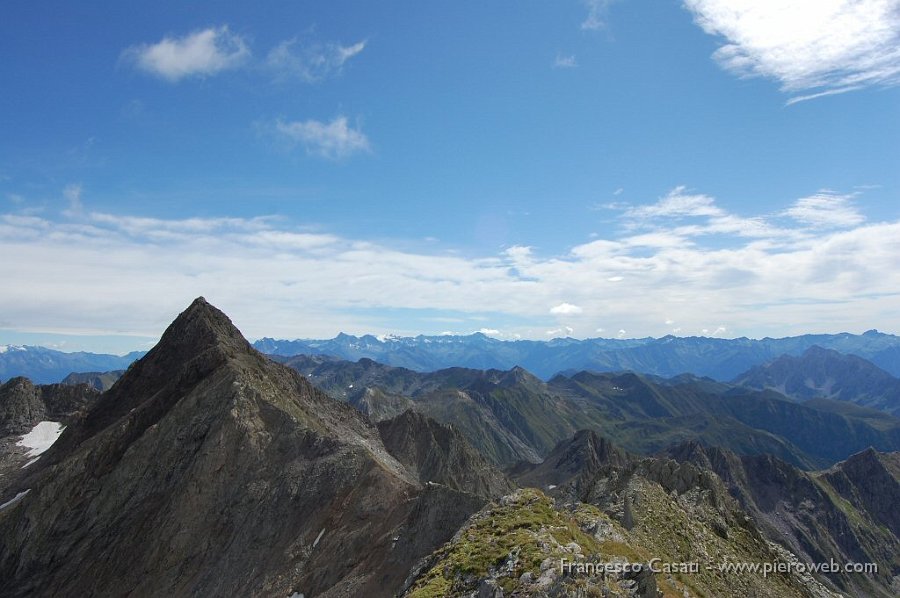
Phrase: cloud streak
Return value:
(816, 265)
(823, 47)
(596, 16)
(310, 62)
(214, 50)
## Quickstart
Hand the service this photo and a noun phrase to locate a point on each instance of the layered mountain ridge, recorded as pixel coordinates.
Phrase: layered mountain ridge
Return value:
(718, 358)
(512, 416)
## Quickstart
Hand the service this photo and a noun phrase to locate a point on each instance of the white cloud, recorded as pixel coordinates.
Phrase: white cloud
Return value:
(565, 309)
(565, 62)
(823, 46)
(489, 331)
(205, 52)
(334, 140)
(826, 210)
(596, 17)
(310, 61)
(567, 330)
(276, 278)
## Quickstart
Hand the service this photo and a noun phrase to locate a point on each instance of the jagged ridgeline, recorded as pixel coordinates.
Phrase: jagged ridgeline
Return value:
(209, 470)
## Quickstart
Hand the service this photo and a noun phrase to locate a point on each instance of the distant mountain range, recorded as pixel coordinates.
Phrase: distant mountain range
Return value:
(46, 366)
(720, 359)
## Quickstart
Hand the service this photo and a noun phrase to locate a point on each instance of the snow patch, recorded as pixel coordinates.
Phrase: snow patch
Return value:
(319, 537)
(41, 437)
(32, 462)
(15, 499)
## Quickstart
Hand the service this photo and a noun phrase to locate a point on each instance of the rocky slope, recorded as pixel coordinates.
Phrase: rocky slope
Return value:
(439, 454)
(23, 404)
(209, 470)
(601, 507)
(845, 514)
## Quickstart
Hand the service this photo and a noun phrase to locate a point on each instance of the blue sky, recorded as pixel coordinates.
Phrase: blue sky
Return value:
(532, 169)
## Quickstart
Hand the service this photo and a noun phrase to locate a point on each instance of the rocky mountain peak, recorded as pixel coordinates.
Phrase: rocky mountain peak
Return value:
(201, 326)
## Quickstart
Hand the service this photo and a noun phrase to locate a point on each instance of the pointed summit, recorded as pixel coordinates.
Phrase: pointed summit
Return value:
(201, 326)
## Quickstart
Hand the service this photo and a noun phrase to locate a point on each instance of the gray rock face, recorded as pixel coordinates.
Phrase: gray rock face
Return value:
(20, 406)
(436, 453)
(580, 457)
(871, 480)
(209, 470)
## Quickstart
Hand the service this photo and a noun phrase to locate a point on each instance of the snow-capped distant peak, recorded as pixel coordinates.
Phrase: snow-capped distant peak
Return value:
(7, 348)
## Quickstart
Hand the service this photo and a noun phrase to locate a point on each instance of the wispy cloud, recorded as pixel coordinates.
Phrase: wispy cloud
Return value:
(826, 210)
(823, 47)
(72, 195)
(814, 265)
(333, 140)
(201, 53)
(596, 17)
(310, 61)
(565, 61)
(695, 214)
